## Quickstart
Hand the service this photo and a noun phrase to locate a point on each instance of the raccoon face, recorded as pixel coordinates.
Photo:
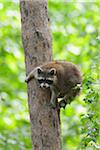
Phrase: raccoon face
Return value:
(45, 77)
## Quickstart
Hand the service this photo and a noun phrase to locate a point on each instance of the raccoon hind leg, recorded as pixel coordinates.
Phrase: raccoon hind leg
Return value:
(64, 101)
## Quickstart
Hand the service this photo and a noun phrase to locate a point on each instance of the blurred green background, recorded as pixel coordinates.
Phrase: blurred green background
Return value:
(76, 37)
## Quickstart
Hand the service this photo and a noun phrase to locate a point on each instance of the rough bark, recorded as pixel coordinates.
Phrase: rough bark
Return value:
(36, 38)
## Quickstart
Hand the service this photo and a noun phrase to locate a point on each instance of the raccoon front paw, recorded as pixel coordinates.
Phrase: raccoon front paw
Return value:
(26, 80)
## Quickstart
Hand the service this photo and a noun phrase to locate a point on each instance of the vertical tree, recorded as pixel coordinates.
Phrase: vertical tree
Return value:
(37, 44)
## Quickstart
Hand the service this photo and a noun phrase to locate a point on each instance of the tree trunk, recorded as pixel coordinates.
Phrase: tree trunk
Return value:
(45, 125)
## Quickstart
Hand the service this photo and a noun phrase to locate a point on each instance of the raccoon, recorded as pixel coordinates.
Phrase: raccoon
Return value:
(61, 77)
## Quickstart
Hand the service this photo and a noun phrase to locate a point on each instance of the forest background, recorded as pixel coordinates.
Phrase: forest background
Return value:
(76, 38)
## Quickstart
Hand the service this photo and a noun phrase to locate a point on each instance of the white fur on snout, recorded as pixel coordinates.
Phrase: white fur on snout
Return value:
(41, 85)
(44, 85)
(40, 78)
(47, 85)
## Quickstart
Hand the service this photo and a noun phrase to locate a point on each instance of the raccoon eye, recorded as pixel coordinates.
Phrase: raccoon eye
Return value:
(41, 80)
(45, 81)
(49, 81)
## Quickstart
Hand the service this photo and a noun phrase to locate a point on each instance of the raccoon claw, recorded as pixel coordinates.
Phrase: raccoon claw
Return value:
(26, 80)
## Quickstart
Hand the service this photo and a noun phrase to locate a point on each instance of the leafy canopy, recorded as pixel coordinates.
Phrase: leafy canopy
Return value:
(75, 28)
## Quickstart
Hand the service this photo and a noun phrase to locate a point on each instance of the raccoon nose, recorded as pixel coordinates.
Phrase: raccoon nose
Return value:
(44, 86)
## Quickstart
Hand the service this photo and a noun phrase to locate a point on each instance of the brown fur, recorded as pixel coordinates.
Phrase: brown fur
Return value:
(68, 75)
(67, 78)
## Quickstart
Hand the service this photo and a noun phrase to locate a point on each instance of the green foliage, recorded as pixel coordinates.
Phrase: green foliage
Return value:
(14, 118)
(76, 38)
(90, 120)
(75, 28)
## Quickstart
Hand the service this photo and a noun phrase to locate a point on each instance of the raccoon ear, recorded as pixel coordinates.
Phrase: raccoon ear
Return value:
(39, 70)
(52, 71)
